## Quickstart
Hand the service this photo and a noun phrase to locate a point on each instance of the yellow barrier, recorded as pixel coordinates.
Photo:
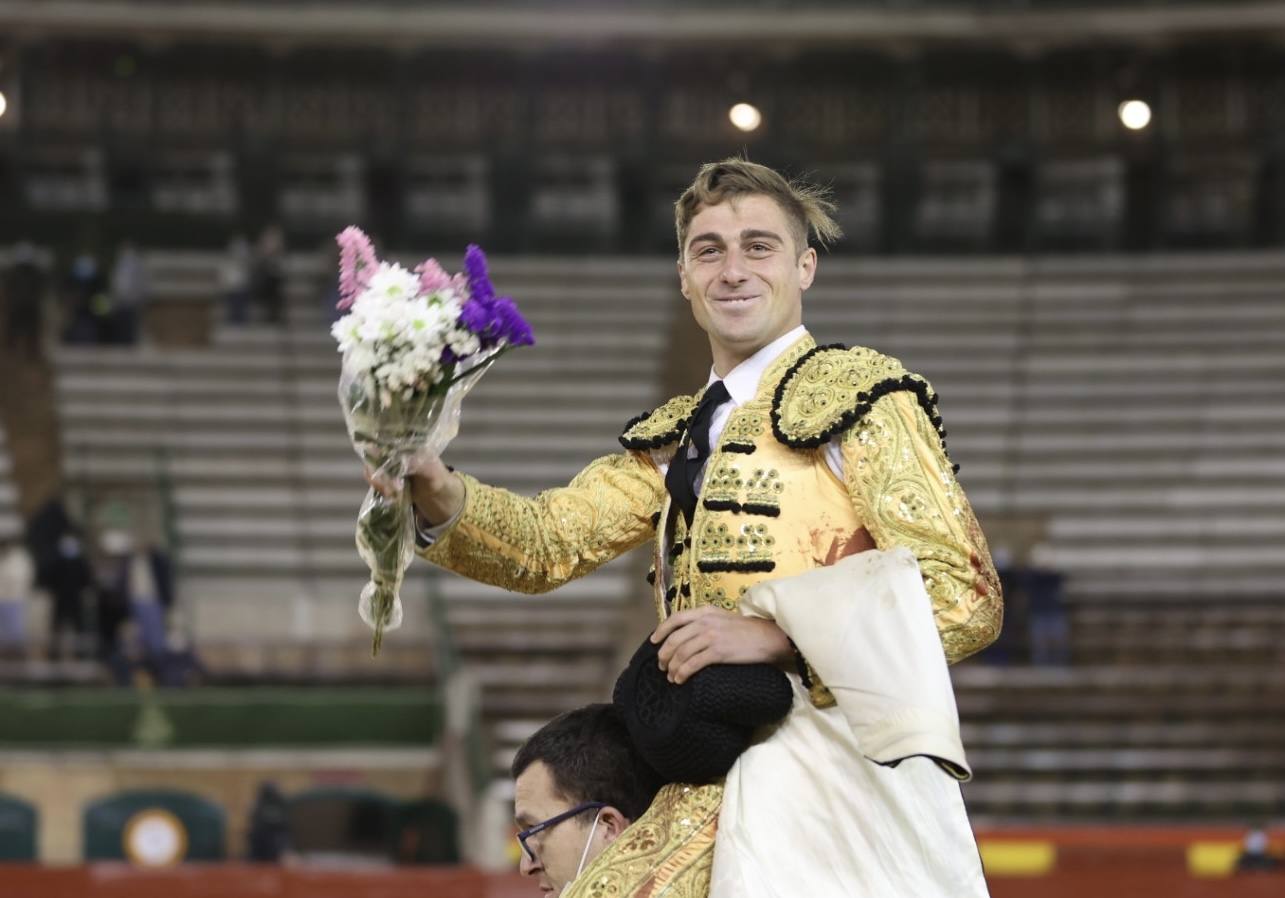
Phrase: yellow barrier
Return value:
(1212, 859)
(1017, 857)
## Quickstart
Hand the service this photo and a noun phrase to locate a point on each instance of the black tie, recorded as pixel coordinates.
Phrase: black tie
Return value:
(680, 479)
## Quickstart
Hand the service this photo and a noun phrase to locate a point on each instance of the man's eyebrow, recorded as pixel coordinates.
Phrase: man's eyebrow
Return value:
(761, 235)
(708, 236)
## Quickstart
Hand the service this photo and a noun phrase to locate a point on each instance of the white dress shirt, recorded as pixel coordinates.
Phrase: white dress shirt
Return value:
(742, 384)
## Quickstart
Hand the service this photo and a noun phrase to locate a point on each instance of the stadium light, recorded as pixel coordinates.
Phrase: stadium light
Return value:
(745, 116)
(4, 104)
(1135, 114)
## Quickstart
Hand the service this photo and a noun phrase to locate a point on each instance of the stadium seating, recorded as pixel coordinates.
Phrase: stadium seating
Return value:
(17, 830)
(428, 833)
(10, 520)
(362, 823)
(108, 821)
(343, 821)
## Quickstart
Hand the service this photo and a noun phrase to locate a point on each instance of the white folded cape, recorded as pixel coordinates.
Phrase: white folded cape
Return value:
(851, 800)
(865, 625)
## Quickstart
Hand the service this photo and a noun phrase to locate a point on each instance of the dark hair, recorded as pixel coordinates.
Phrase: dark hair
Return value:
(591, 758)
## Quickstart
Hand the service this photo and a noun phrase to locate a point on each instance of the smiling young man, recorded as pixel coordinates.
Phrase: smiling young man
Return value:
(792, 458)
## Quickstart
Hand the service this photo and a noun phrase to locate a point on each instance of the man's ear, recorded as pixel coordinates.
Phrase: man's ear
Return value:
(612, 823)
(807, 267)
(682, 281)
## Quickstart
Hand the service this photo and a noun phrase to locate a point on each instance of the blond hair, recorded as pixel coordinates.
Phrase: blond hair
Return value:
(807, 206)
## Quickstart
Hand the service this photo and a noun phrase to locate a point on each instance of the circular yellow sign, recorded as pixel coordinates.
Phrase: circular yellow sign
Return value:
(155, 838)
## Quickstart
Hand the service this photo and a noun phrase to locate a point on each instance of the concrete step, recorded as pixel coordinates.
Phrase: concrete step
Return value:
(1066, 734)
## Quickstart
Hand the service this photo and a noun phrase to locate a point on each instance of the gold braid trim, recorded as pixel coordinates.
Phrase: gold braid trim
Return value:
(831, 388)
(660, 426)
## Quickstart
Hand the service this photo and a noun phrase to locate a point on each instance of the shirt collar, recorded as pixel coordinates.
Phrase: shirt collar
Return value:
(742, 382)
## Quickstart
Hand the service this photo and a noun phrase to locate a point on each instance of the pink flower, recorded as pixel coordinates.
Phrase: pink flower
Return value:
(432, 277)
(357, 263)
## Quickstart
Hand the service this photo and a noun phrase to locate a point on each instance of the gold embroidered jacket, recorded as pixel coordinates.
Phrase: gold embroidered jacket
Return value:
(769, 507)
(900, 488)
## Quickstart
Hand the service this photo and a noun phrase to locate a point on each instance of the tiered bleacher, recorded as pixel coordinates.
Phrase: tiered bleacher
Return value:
(10, 519)
(1125, 412)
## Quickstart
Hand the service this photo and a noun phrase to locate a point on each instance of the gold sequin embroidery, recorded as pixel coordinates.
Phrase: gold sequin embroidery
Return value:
(904, 489)
(744, 428)
(717, 545)
(763, 491)
(754, 544)
(722, 486)
(536, 544)
(668, 852)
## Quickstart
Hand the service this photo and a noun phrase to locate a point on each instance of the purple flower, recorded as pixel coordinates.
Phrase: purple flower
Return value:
(511, 326)
(479, 282)
(476, 316)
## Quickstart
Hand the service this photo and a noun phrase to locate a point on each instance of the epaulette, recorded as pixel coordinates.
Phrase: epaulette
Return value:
(661, 426)
(832, 388)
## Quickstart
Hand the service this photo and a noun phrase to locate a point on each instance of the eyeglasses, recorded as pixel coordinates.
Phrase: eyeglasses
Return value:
(554, 821)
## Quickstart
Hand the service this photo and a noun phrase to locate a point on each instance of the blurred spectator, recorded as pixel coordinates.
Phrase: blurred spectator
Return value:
(269, 276)
(24, 293)
(137, 583)
(57, 548)
(87, 301)
(129, 293)
(115, 645)
(124, 657)
(178, 665)
(1042, 586)
(162, 569)
(16, 579)
(235, 273)
(136, 630)
(146, 607)
(1255, 856)
(269, 834)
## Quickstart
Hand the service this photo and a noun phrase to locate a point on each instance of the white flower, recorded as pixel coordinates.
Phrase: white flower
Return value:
(464, 343)
(392, 282)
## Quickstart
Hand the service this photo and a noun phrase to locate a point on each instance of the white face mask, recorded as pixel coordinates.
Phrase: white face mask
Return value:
(589, 841)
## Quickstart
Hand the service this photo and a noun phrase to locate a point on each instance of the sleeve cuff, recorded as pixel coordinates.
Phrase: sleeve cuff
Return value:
(426, 534)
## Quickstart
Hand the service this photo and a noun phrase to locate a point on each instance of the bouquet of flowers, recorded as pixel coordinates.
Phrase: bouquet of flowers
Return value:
(414, 343)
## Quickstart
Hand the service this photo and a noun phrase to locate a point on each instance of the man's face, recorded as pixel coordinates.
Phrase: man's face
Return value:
(744, 276)
(559, 848)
